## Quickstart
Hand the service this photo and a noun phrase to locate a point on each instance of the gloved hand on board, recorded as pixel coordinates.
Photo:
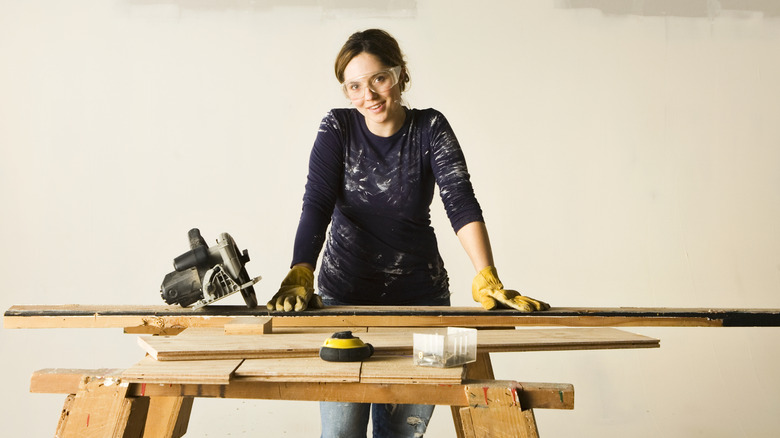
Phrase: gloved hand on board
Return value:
(487, 290)
(296, 292)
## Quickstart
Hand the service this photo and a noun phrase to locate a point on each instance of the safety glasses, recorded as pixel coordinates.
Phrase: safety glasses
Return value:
(377, 82)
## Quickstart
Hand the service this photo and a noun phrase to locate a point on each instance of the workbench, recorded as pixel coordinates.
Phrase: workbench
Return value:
(234, 352)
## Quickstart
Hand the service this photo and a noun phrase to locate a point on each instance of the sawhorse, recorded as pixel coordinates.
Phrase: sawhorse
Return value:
(100, 403)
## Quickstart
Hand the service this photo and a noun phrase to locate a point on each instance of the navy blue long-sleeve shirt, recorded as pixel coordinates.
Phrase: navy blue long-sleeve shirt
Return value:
(376, 192)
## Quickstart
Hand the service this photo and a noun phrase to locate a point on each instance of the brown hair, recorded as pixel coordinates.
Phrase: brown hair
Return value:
(377, 42)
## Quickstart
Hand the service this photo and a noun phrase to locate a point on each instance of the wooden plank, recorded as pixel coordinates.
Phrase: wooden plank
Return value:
(156, 319)
(171, 348)
(325, 331)
(250, 325)
(213, 372)
(204, 347)
(300, 369)
(67, 380)
(533, 395)
(282, 345)
(548, 395)
(587, 338)
(401, 369)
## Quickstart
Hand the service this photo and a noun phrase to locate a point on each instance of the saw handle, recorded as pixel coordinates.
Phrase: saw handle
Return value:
(196, 256)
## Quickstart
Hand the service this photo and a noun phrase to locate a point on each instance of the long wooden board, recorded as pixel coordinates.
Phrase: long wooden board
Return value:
(158, 319)
(390, 342)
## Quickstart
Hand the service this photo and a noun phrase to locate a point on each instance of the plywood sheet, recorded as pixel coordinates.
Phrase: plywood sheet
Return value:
(560, 339)
(149, 370)
(165, 348)
(298, 369)
(377, 369)
(401, 369)
(207, 346)
(233, 346)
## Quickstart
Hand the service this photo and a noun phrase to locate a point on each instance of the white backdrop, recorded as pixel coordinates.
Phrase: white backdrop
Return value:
(624, 153)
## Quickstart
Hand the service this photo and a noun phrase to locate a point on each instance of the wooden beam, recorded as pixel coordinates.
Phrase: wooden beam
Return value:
(532, 395)
(66, 380)
(156, 319)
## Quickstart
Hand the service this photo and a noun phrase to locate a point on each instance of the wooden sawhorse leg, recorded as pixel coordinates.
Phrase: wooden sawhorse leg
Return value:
(168, 417)
(106, 412)
(101, 408)
(493, 412)
(100, 404)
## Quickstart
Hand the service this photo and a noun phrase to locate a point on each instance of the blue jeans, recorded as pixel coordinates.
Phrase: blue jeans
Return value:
(350, 420)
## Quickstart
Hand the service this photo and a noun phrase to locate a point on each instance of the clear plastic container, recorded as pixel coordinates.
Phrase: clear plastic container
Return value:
(448, 347)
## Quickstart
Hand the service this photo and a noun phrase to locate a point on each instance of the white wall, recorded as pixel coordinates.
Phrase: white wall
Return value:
(625, 154)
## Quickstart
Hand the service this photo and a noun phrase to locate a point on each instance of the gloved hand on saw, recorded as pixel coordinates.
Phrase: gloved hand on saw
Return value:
(296, 292)
(487, 290)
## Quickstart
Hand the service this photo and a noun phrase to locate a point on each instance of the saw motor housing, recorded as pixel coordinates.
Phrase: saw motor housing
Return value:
(206, 274)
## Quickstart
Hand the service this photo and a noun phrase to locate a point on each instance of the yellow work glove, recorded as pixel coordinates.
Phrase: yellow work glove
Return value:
(296, 292)
(487, 290)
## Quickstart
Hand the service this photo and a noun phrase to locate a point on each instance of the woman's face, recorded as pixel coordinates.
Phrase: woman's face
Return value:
(382, 110)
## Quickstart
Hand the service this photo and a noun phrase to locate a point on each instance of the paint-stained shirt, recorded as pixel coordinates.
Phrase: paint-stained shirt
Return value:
(376, 192)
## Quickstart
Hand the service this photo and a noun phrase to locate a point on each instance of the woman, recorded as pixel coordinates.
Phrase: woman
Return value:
(372, 173)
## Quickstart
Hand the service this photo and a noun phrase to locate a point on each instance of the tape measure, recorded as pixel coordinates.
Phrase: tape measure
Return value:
(343, 347)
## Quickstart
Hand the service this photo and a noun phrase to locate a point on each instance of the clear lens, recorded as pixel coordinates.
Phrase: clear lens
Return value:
(378, 82)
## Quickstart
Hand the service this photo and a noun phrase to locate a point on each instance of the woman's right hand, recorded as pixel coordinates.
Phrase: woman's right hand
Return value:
(488, 290)
(296, 292)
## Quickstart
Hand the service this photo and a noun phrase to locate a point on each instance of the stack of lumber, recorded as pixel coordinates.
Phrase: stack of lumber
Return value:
(215, 344)
(213, 356)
